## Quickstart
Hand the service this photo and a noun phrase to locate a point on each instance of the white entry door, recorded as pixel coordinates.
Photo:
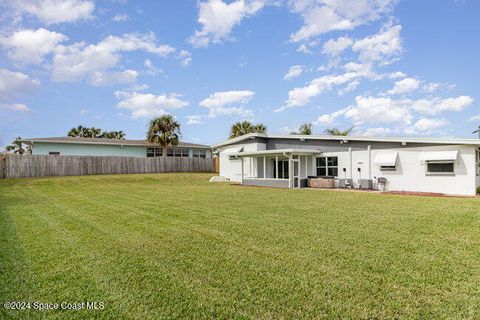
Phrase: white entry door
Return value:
(296, 173)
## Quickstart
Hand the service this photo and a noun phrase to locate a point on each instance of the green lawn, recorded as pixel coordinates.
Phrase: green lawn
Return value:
(177, 246)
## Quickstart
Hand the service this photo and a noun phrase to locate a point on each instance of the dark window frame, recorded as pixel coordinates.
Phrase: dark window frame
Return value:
(327, 166)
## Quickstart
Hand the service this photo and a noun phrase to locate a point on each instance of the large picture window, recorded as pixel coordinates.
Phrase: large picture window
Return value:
(327, 166)
(199, 154)
(282, 169)
(444, 167)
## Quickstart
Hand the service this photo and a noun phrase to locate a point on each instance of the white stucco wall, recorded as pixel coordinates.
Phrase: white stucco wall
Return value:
(409, 176)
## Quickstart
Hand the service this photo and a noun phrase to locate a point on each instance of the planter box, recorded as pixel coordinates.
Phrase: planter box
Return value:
(321, 183)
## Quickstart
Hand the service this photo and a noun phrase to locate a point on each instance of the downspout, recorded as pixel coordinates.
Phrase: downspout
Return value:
(369, 149)
(350, 162)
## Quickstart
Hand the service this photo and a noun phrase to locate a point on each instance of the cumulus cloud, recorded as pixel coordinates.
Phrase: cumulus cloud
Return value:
(218, 19)
(151, 68)
(334, 47)
(377, 110)
(194, 119)
(380, 47)
(14, 85)
(397, 75)
(146, 105)
(110, 78)
(80, 60)
(31, 46)
(426, 124)
(406, 85)
(121, 17)
(434, 86)
(185, 57)
(55, 11)
(228, 103)
(322, 16)
(294, 72)
(437, 105)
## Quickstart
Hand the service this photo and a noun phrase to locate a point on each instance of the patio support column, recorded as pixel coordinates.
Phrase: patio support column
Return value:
(290, 173)
(276, 167)
(242, 171)
(264, 167)
(306, 166)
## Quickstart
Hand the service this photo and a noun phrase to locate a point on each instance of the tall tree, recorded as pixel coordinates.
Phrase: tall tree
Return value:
(477, 131)
(338, 132)
(17, 146)
(165, 131)
(113, 135)
(304, 129)
(244, 127)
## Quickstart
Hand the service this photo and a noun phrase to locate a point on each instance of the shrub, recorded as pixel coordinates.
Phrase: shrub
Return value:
(478, 190)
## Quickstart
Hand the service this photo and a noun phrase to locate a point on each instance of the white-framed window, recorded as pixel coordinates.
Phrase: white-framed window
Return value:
(440, 167)
(174, 152)
(282, 169)
(327, 166)
(154, 152)
(199, 154)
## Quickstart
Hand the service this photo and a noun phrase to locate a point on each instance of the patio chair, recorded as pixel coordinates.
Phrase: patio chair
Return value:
(382, 181)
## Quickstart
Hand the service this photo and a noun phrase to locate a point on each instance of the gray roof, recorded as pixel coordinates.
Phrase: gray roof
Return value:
(448, 141)
(104, 141)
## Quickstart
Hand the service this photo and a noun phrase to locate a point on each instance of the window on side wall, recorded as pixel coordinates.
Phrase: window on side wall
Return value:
(477, 161)
(54, 153)
(154, 152)
(170, 152)
(388, 168)
(440, 167)
(327, 166)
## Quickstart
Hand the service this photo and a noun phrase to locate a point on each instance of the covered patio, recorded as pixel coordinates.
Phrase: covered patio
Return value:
(282, 168)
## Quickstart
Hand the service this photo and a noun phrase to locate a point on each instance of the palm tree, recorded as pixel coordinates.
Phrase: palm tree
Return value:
(477, 131)
(76, 132)
(165, 131)
(113, 135)
(16, 146)
(304, 129)
(84, 132)
(338, 132)
(245, 127)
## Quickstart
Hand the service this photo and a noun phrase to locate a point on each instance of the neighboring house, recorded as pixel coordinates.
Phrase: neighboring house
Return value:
(449, 166)
(73, 146)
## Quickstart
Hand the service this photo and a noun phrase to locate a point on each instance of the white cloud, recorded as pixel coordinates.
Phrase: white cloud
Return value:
(55, 11)
(380, 47)
(475, 118)
(121, 17)
(349, 88)
(325, 119)
(186, 58)
(194, 119)
(111, 78)
(220, 103)
(31, 46)
(322, 16)
(16, 107)
(151, 68)
(377, 110)
(427, 124)
(404, 86)
(302, 95)
(397, 75)
(437, 105)
(374, 132)
(146, 105)
(335, 47)
(14, 85)
(218, 19)
(434, 86)
(294, 72)
(81, 60)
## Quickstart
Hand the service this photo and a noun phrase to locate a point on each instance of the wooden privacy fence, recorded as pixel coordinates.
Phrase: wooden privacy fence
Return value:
(24, 166)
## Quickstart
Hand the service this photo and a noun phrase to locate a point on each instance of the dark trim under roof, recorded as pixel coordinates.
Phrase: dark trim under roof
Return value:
(103, 141)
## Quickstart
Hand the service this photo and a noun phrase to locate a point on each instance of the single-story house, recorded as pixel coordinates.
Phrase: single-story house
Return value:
(449, 166)
(74, 146)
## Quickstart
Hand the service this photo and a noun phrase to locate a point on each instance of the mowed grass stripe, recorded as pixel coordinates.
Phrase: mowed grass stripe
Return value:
(176, 246)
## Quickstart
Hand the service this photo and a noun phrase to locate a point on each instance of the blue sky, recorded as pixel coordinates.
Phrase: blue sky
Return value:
(385, 67)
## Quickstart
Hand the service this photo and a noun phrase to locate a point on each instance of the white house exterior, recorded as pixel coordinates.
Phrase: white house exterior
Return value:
(448, 166)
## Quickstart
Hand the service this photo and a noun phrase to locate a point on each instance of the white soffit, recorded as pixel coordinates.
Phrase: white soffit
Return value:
(439, 155)
(387, 159)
